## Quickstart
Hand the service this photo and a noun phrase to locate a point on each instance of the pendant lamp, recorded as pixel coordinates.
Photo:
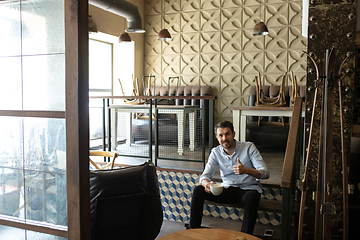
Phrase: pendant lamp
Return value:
(124, 38)
(92, 25)
(164, 34)
(260, 28)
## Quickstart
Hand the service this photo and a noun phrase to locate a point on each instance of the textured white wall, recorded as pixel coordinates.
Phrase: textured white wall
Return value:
(213, 45)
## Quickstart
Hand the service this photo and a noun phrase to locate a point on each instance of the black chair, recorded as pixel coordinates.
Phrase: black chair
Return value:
(125, 203)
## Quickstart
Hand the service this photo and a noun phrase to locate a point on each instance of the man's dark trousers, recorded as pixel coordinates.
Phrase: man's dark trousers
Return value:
(248, 198)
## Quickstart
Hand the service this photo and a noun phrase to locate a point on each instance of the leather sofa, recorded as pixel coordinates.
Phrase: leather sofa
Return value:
(267, 136)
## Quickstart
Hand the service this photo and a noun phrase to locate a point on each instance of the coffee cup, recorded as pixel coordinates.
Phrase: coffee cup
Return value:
(216, 189)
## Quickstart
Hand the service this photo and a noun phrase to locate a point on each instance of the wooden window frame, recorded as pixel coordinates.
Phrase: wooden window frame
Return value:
(77, 118)
(77, 130)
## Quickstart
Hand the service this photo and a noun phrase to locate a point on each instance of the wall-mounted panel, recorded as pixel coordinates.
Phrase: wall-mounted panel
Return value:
(215, 45)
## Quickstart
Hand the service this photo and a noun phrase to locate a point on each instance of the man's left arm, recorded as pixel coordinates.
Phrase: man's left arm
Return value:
(241, 169)
(260, 170)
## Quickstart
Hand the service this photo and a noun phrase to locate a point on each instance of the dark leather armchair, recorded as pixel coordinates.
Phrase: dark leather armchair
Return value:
(125, 203)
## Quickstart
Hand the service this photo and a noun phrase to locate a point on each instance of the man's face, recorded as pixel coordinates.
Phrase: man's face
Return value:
(225, 137)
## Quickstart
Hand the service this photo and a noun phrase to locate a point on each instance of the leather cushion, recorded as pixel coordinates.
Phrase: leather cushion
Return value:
(132, 190)
(267, 135)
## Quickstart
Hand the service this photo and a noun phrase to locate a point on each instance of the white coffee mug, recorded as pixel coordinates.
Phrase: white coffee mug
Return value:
(216, 189)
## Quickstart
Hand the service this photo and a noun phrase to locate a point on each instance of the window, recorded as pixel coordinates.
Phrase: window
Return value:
(111, 69)
(100, 84)
(100, 67)
(32, 116)
(124, 59)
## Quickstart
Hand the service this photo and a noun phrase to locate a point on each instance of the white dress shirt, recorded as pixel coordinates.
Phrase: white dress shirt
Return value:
(248, 155)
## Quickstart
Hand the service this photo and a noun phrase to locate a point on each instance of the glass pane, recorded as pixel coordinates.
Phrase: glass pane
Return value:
(125, 68)
(43, 29)
(11, 233)
(41, 236)
(44, 82)
(11, 142)
(45, 197)
(10, 80)
(44, 144)
(100, 65)
(20, 234)
(32, 77)
(10, 29)
(96, 123)
(11, 193)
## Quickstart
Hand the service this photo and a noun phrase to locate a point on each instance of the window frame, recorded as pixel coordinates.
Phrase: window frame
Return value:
(104, 90)
(77, 119)
(76, 115)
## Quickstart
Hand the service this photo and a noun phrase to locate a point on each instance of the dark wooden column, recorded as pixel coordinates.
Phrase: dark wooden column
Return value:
(77, 119)
(331, 24)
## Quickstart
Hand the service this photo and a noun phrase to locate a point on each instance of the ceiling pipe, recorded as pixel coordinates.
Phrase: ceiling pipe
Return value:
(124, 9)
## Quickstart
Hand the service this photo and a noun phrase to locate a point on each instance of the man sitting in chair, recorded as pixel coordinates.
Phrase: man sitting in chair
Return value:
(241, 168)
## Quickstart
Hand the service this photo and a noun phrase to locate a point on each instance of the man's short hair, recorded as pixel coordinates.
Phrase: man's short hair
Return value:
(224, 124)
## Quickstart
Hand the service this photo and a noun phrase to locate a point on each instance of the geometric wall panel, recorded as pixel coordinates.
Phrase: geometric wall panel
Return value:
(213, 45)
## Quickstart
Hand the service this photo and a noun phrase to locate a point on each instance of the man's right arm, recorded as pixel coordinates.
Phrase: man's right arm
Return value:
(210, 168)
(206, 184)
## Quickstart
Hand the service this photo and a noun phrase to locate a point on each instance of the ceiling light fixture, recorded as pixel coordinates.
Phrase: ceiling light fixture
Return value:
(124, 38)
(92, 25)
(164, 34)
(260, 28)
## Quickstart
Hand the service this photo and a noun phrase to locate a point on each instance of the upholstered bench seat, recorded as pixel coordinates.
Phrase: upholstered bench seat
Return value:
(167, 122)
(270, 133)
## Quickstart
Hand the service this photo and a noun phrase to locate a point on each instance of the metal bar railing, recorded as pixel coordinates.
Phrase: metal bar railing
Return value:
(211, 125)
(150, 133)
(203, 136)
(104, 127)
(150, 106)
